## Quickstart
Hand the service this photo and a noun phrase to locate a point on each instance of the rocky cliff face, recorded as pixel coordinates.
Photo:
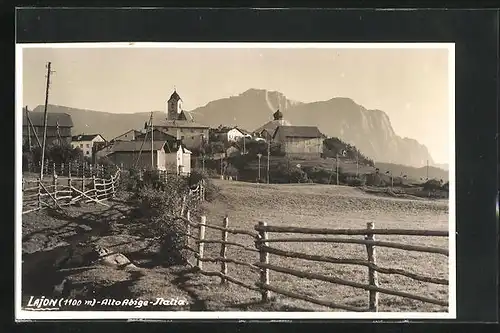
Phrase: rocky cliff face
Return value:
(369, 130)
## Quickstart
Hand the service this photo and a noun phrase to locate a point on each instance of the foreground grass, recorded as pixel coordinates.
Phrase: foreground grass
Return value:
(328, 207)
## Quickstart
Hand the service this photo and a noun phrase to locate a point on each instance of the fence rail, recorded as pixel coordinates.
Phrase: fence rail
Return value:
(263, 266)
(58, 191)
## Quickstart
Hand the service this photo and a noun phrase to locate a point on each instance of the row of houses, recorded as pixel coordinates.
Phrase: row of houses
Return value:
(175, 135)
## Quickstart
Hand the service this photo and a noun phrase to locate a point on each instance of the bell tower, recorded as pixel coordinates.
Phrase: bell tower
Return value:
(174, 106)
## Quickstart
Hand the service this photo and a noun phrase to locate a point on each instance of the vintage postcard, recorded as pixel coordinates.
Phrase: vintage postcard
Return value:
(235, 181)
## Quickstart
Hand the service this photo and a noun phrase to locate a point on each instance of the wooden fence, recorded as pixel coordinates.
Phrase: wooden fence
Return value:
(263, 265)
(58, 191)
(71, 169)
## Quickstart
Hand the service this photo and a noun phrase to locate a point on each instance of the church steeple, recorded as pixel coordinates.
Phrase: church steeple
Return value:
(278, 115)
(174, 106)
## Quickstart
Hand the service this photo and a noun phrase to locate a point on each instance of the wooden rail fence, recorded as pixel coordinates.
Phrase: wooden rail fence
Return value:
(71, 169)
(58, 191)
(263, 265)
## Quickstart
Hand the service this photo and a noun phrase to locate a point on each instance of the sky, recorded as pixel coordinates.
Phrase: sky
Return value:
(410, 85)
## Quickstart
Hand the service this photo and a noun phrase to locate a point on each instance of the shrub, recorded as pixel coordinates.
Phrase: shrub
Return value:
(319, 175)
(211, 190)
(283, 173)
(161, 210)
(432, 184)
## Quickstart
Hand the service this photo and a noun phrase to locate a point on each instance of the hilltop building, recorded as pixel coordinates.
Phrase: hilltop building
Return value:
(267, 130)
(180, 124)
(59, 127)
(299, 140)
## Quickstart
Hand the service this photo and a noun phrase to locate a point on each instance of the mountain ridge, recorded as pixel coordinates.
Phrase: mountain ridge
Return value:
(370, 131)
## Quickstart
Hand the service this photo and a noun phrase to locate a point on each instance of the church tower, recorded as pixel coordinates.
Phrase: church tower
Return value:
(174, 106)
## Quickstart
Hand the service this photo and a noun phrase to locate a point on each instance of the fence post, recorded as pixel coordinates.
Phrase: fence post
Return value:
(188, 227)
(69, 169)
(264, 259)
(223, 250)
(95, 186)
(83, 182)
(39, 192)
(70, 188)
(62, 169)
(372, 274)
(203, 221)
(112, 186)
(46, 165)
(54, 184)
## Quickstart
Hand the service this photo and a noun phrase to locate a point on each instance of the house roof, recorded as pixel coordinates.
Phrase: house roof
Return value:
(135, 146)
(160, 130)
(175, 95)
(53, 119)
(299, 131)
(272, 125)
(179, 124)
(85, 137)
(132, 130)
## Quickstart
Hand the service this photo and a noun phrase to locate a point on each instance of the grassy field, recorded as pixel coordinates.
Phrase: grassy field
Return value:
(327, 206)
(47, 236)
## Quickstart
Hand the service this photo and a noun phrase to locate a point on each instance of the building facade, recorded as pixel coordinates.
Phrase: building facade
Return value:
(181, 125)
(59, 126)
(133, 155)
(87, 143)
(299, 140)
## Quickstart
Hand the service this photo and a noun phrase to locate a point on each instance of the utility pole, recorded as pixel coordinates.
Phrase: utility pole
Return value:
(357, 163)
(244, 145)
(45, 118)
(29, 129)
(268, 157)
(337, 167)
(427, 170)
(259, 155)
(152, 154)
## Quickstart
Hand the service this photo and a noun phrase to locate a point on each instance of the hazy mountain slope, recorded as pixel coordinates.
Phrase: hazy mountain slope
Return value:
(109, 125)
(413, 173)
(369, 130)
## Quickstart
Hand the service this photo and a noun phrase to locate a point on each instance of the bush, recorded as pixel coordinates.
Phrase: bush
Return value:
(161, 211)
(432, 184)
(283, 173)
(211, 190)
(319, 175)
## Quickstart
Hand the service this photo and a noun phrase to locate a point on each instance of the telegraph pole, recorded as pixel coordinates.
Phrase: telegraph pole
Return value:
(268, 156)
(29, 129)
(152, 154)
(259, 155)
(45, 118)
(427, 170)
(337, 167)
(357, 163)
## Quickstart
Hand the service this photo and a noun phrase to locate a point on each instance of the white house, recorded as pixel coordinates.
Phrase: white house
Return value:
(183, 161)
(86, 142)
(233, 135)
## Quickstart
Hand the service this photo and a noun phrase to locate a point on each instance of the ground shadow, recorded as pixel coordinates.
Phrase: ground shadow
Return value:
(182, 281)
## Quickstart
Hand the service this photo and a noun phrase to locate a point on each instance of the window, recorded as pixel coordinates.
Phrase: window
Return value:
(88, 145)
(87, 152)
(81, 145)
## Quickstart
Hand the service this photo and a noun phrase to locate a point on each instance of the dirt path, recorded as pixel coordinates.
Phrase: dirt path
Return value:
(56, 249)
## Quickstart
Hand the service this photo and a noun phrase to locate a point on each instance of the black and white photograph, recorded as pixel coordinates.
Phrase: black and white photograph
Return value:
(235, 180)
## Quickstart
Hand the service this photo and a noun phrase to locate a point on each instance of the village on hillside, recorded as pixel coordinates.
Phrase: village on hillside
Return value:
(177, 215)
(276, 152)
